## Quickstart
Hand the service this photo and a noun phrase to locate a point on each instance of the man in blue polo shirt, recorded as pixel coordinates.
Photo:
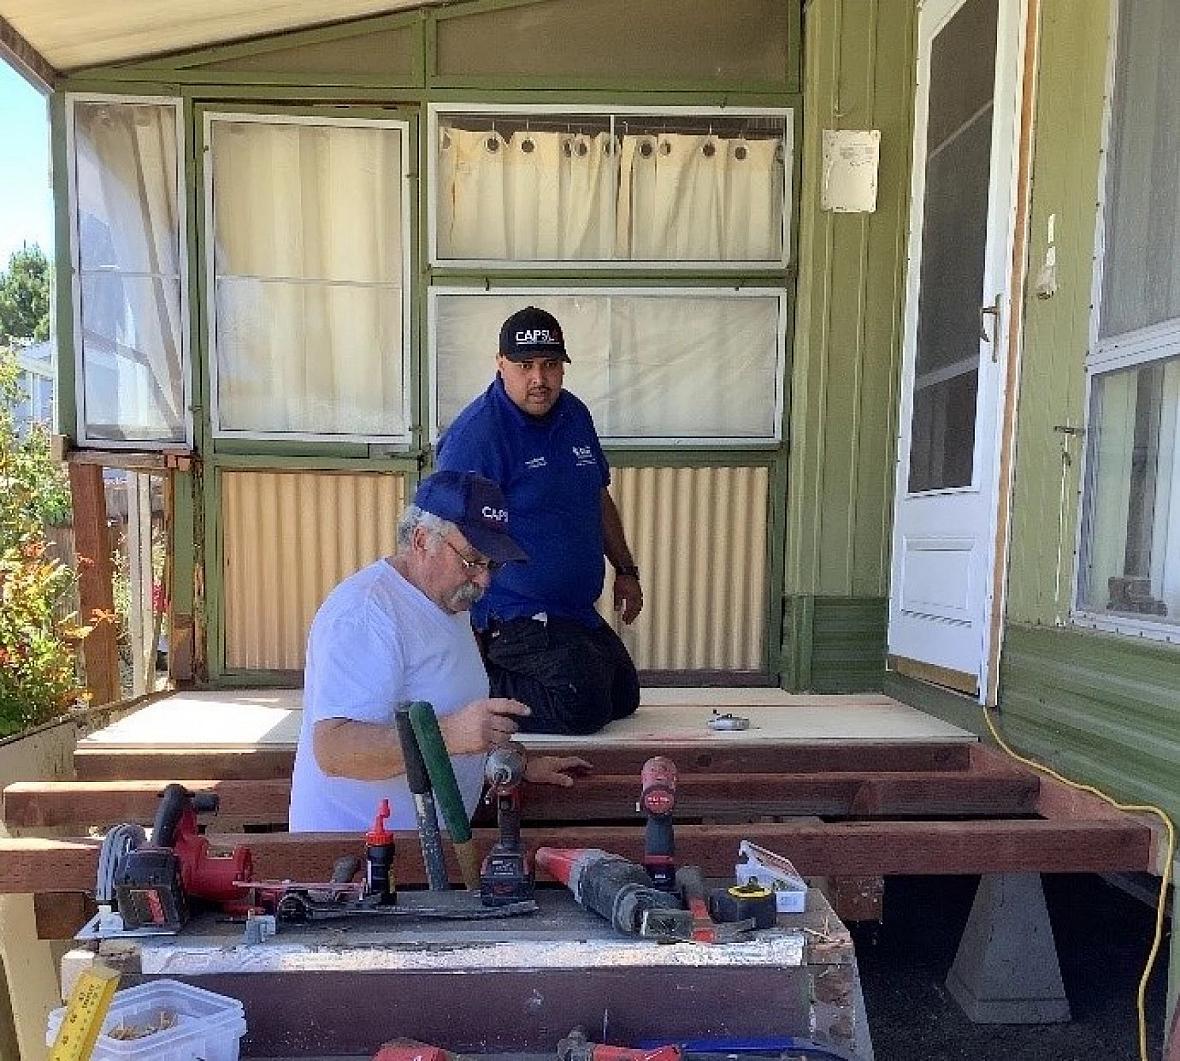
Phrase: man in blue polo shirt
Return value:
(544, 643)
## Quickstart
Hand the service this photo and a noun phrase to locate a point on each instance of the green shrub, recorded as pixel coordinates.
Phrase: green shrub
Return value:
(38, 658)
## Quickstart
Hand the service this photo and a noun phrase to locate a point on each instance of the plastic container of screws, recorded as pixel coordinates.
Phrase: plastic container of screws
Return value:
(165, 1020)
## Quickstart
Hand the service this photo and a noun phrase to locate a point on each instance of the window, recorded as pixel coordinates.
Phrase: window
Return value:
(1129, 570)
(703, 188)
(131, 339)
(656, 366)
(308, 259)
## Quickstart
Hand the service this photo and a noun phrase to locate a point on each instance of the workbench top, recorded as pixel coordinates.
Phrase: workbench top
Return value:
(560, 935)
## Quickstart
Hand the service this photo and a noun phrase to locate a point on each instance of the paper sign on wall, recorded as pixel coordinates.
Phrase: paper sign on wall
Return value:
(850, 160)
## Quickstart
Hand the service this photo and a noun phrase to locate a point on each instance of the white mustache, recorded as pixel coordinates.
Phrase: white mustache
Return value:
(467, 594)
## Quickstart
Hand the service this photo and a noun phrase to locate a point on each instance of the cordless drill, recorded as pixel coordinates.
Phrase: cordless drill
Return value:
(506, 875)
(657, 800)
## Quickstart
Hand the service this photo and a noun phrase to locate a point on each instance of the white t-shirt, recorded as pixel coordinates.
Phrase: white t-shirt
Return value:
(376, 642)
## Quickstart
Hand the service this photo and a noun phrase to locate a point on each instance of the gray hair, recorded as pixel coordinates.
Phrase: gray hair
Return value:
(415, 517)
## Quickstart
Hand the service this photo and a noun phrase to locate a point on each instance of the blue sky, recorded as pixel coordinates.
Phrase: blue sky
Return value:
(25, 199)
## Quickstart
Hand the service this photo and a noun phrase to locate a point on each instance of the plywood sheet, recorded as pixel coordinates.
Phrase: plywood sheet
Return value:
(271, 718)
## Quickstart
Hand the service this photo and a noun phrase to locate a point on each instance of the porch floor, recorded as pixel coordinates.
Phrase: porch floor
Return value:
(239, 719)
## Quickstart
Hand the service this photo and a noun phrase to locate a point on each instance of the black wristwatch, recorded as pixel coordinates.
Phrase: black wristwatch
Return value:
(628, 569)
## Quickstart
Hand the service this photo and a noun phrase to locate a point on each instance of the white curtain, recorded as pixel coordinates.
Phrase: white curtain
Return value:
(533, 196)
(648, 366)
(699, 198)
(129, 270)
(570, 196)
(308, 261)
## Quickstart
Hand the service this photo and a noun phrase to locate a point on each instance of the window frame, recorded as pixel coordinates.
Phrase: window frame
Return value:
(404, 126)
(1142, 346)
(636, 265)
(82, 438)
(624, 442)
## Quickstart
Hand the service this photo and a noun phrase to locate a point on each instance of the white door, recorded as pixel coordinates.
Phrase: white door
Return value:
(961, 217)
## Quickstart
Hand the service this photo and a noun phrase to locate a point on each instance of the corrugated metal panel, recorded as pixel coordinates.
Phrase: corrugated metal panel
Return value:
(288, 538)
(699, 536)
(1098, 707)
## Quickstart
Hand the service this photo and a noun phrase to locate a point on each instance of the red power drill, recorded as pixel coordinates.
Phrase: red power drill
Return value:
(506, 875)
(657, 800)
(576, 1047)
(154, 882)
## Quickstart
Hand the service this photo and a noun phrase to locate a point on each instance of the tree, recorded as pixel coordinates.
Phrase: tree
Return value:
(38, 671)
(24, 297)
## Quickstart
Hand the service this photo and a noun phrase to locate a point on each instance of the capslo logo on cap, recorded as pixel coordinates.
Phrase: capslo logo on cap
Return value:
(500, 515)
(536, 336)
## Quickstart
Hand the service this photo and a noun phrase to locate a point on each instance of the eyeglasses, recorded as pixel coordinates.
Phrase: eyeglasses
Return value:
(472, 566)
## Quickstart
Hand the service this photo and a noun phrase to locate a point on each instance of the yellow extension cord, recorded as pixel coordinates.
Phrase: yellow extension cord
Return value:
(1144, 808)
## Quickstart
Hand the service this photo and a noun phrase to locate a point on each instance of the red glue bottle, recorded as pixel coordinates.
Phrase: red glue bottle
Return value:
(379, 859)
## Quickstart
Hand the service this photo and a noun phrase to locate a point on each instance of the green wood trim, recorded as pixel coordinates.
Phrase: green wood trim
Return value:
(621, 457)
(794, 71)
(619, 95)
(263, 462)
(956, 708)
(565, 272)
(308, 83)
(259, 679)
(834, 644)
(120, 86)
(605, 84)
(183, 542)
(393, 112)
(304, 95)
(66, 414)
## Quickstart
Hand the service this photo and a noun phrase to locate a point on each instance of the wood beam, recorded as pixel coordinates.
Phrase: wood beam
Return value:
(25, 59)
(691, 757)
(816, 848)
(43, 804)
(92, 547)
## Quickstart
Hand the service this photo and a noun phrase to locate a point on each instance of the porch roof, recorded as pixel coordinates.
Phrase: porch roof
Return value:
(71, 34)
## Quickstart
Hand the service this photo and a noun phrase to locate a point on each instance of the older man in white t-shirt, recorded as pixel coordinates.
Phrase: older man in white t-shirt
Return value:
(398, 631)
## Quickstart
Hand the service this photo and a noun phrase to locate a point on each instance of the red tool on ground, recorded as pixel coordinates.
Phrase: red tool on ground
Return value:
(576, 1047)
(612, 887)
(657, 800)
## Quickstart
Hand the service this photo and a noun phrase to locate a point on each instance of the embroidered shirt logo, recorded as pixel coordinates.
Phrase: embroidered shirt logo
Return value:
(583, 455)
(536, 462)
(500, 515)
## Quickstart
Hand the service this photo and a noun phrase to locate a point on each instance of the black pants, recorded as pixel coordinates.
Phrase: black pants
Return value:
(576, 679)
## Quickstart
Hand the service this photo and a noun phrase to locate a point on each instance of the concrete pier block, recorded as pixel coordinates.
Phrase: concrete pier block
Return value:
(1006, 970)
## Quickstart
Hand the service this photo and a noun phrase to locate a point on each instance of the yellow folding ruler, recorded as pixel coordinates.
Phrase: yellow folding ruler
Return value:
(89, 1001)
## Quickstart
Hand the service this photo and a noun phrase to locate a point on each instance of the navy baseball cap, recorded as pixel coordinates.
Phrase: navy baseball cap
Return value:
(476, 506)
(530, 333)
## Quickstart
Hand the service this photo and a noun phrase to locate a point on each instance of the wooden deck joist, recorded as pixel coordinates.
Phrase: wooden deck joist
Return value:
(38, 804)
(95, 763)
(816, 848)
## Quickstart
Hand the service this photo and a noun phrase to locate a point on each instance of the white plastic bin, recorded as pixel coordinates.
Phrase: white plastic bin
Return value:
(208, 1026)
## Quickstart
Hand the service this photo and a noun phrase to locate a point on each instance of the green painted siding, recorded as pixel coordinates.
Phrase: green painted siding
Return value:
(1099, 707)
(858, 74)
(1056, 331)
(834, 644)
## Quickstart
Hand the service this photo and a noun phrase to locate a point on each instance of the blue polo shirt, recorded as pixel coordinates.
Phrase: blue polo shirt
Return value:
(552, 471)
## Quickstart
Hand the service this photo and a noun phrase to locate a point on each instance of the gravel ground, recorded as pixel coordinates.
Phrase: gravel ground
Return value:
(1102, 937)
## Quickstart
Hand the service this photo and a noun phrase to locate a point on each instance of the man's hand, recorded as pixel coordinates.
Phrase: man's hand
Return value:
(481, 725)
(554, 769)
(628, 597)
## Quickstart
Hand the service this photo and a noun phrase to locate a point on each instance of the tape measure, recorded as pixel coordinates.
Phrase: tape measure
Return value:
(89, 1001)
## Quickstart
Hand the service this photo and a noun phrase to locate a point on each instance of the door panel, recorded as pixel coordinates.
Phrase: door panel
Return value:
(959, 254)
